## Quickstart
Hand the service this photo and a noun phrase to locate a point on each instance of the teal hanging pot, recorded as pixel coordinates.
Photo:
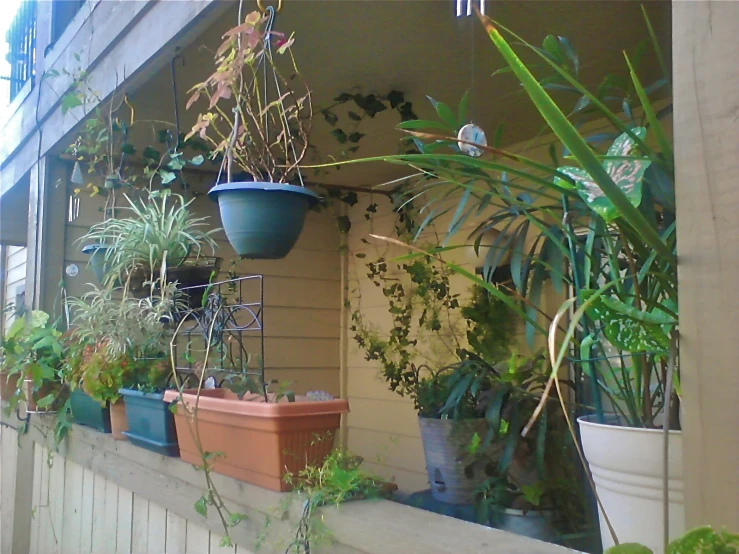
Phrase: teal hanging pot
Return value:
(263, 220)
(97, 253)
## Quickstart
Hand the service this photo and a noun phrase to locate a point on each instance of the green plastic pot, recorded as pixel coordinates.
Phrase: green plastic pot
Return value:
(97, 254)
(263, 220)
(89, 412)
(150, 423)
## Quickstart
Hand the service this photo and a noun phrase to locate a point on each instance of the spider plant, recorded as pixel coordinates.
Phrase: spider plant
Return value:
(151, 236)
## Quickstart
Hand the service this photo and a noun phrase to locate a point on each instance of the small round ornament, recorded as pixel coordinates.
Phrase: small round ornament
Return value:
(471, 133)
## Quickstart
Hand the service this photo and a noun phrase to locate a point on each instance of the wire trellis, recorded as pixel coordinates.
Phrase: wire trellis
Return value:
(231, 319)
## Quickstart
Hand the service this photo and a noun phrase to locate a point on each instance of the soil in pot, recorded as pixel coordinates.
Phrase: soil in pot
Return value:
(118, 420)
(89, 412)
(33, 396)
(263, 220)
(150, 422)
(260, 441)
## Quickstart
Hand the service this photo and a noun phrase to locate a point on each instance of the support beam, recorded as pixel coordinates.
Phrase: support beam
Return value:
(706, 130)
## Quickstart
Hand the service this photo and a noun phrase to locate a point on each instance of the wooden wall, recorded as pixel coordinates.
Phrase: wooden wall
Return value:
(76, 511)
(15, 275)
(706, 81)
(302, 292)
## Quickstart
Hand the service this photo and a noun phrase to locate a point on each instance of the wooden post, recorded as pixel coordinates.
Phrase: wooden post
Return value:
(706, 130)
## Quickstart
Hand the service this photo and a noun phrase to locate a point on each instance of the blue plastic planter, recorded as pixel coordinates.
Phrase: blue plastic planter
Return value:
(150, 423)
(89, 412)
(97, 254)
(263, 220)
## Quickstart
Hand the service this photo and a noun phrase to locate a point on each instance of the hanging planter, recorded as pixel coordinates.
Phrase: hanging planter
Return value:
(263, 220)
(267, 138)
(98, 254)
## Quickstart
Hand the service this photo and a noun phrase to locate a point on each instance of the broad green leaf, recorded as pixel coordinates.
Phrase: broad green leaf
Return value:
(201, 507)
(629, 548)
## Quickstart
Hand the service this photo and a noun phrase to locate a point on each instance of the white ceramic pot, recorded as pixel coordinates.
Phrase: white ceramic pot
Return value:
(627, 467)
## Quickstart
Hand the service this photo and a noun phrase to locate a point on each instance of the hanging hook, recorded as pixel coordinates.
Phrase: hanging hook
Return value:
(174, 95)
(263, 9)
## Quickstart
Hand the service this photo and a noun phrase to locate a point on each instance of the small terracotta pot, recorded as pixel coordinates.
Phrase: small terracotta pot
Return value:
(8, 385)
(261, 442)
(118, 420)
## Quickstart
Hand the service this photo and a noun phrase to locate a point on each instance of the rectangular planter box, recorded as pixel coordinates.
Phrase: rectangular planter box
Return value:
(89, 412)
(150, 423)
(260, 441)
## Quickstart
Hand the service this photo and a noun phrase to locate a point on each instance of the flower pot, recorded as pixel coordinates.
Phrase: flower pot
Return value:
(150, 422)
(8, 384)
(263, 220)
(454, 475)
(534, 524)
(627, 467)
(33, 396)
(260, 441)
(97, 253)
(118, 420)
(89, 412)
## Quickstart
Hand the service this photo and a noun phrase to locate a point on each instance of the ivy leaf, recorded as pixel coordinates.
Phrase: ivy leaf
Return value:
(343, 97)
(128, 148)
(396, 98)
(235, 518)
(201, 506)
(197, 160)
(69, 102)
(344, 224)
(164, 136)
(354, 116)
(226, 541)
(46, 401)
(355, 137)
(167, 177)
(350, 198)
(339, 135)
(151, 154)
(330, 117)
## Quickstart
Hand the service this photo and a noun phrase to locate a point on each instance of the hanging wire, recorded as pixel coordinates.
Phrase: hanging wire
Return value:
(174, 96)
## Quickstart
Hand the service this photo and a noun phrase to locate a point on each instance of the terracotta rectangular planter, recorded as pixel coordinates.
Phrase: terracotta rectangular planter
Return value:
(260, 441)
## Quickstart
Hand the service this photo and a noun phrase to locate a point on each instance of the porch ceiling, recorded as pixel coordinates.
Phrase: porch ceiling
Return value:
(420, 48)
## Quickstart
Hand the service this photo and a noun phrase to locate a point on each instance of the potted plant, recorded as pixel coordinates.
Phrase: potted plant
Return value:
(155, 235)
(150, 421)
(265, 135)
(430, 357)
(260, 436)
(610, 238)
(121, 343)
(31, 355)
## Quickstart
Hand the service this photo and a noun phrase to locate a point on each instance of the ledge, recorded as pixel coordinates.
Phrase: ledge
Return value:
(362, 527)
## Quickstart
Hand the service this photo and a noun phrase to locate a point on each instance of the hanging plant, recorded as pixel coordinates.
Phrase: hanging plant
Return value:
(259, 119)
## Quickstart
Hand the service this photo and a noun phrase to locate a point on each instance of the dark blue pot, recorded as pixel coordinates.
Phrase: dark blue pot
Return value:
(89, 412)
(97, 254)
(150, 423)
(263, 220)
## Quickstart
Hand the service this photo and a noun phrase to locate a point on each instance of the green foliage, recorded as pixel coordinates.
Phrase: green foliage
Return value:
(604, 222)
(154, 234)
(701, 540)
(337, 480)
(33, 350)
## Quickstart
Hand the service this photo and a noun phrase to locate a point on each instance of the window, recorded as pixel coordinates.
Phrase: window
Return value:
(63, 11)
(21, 39)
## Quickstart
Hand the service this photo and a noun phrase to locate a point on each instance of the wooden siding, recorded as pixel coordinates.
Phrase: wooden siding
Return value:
(77, 511)
(15, 275)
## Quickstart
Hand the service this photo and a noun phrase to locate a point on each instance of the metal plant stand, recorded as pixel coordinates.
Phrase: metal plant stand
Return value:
(226, 330)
